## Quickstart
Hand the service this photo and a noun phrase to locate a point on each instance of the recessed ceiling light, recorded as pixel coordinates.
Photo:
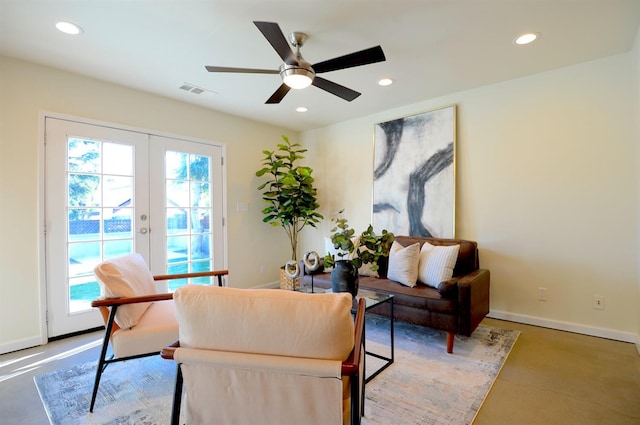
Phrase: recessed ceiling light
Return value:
(385, 82)
(301, 109)
(527, 38)
(68, 28)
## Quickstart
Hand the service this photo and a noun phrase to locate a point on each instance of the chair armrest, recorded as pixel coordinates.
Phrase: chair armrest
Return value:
(110, 302)
(168, 351)
(351, 366)
(190, 275)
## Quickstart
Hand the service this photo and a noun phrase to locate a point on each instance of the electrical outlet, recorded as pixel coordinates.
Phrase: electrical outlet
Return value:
(542, 294)
(598, 302)
(262, 269)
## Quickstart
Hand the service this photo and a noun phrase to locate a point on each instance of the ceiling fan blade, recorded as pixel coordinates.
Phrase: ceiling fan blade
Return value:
(276, 38)
(363, 57)
(333, 88)
(241, 70)
(279, 94)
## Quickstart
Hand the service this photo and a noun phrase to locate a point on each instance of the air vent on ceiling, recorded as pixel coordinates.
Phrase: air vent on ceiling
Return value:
(193, 88)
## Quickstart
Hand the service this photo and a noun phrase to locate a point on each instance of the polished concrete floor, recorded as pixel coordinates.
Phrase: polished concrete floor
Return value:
(554, 377)
(551, 377)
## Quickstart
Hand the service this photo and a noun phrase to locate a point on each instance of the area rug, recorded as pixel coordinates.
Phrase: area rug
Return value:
(425, 385)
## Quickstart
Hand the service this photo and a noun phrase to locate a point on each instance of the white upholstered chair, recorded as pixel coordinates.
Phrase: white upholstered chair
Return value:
(266, 356)
(139, 321)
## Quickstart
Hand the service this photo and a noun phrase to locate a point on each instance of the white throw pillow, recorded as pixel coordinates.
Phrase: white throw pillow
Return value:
(403, 263)
(127, 276)
(437, 263)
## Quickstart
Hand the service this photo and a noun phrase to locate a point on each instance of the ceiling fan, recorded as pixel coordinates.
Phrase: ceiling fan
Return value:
(296, 72)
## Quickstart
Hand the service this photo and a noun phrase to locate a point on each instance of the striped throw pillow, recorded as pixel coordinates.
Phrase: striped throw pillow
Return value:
(437, 263)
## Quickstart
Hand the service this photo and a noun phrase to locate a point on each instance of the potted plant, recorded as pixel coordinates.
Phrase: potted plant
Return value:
(353, 252)
(289, 193)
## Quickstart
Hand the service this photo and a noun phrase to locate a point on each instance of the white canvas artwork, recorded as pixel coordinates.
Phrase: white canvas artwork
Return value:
(414, 175)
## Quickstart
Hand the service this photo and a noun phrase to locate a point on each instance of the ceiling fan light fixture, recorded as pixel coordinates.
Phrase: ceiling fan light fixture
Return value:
(297, 81)
(297, 77)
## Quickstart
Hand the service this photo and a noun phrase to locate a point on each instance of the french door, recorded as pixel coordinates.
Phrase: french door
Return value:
(110, 192)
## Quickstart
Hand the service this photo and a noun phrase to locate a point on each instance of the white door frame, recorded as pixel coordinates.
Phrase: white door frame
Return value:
(41, 213)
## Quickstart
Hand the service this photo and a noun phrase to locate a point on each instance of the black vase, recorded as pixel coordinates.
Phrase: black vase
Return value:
(344, 277)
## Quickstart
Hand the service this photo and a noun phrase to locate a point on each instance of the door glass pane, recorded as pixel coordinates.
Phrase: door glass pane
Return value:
(118, 159)
(176, 221)
(177, 193)
(99, 211)
(188, 212)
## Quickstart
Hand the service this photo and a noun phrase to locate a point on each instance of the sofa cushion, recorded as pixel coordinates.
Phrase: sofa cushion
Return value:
(156, 329)
(419, 296)
(403, 264)
(126, 276)
(437, 263)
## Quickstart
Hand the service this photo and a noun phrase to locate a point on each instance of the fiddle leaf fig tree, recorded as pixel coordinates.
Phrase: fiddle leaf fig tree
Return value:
(288, 191)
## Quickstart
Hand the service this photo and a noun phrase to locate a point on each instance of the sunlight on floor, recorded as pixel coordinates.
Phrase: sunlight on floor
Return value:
(36, 364)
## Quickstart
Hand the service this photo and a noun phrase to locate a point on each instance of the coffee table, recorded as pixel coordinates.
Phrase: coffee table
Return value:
(373, 299)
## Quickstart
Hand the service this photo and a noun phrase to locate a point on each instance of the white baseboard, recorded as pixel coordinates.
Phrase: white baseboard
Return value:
(567, 326)
(21, 344)
(269, 285)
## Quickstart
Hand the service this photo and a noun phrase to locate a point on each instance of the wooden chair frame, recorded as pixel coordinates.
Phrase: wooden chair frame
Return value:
(350, 367)
(108, 308)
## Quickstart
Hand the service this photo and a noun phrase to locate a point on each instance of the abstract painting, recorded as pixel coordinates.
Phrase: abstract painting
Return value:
(414, 174)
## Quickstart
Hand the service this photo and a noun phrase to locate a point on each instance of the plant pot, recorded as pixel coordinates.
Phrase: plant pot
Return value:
(344, 277)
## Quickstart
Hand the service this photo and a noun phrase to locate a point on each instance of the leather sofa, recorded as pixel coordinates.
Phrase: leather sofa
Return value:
(456, 306)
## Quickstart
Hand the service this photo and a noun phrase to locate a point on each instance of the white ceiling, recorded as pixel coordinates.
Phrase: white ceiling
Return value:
(433, 47)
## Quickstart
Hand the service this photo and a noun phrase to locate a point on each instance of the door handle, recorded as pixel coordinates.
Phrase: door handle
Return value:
(143, 230)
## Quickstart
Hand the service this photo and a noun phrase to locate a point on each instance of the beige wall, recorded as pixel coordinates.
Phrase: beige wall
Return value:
(546, 183)
(25, 90)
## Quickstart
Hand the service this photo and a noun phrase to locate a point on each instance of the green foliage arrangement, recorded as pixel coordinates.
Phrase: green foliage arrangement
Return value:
(288, 191)
(368, 248)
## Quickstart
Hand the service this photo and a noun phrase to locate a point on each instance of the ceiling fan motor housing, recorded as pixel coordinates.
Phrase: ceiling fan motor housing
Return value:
(297, 76)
